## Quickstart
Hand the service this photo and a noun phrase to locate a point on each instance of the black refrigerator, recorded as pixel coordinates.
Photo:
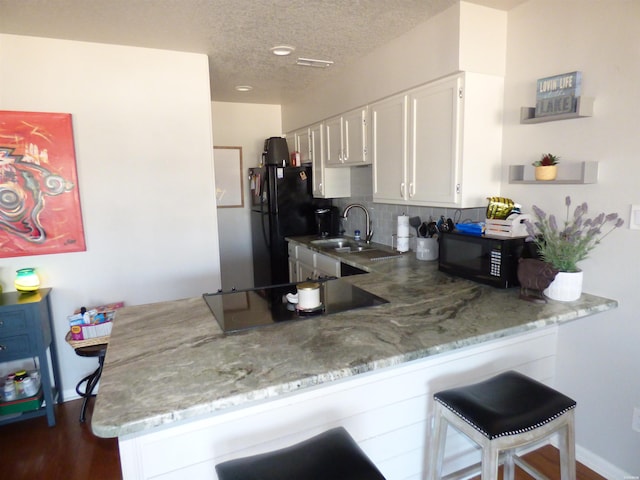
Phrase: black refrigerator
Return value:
(282, 205)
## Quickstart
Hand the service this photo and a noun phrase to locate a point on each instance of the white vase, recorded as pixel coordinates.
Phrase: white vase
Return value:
(566, 287)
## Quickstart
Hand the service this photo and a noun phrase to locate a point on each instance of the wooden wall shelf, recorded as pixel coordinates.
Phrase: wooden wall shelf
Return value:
(576, 174)
(584, 108)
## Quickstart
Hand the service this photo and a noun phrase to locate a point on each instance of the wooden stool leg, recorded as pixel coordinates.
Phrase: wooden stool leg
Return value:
(438, 442)
(509, 466)
(568, 449)
(490, 462)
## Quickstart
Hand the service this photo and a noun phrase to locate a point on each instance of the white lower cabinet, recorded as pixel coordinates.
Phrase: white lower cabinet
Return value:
(305, 264)
(439, 144)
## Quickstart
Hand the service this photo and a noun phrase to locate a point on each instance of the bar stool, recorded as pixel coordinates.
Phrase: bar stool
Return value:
(501, 414)
(99, 351)
(332, 455)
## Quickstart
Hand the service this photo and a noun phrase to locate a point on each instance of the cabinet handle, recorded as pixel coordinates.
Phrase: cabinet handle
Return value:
(402, 189)
(2, 348)
(412, 190)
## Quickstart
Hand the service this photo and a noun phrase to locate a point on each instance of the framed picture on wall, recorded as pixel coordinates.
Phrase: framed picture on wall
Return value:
(39, 196)
(228, 171)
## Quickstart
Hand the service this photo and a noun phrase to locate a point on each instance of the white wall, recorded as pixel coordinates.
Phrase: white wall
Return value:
(431, 50)
(142, 129)
(383, 72)
(598, 361)
(241, 125)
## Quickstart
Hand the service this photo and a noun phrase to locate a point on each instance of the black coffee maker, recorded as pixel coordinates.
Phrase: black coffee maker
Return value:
(328, 221)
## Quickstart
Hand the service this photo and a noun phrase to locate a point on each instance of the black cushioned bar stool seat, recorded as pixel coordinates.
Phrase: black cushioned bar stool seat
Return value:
(332, 455)
(501, 414)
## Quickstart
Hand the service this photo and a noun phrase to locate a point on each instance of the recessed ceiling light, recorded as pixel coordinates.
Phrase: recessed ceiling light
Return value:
(244, 88)
(282, 50)
(310, 62)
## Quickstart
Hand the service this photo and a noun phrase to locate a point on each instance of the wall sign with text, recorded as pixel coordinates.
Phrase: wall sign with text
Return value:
(558, 94)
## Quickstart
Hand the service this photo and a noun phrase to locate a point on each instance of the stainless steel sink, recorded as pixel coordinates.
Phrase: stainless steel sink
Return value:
(347, 245)
(341, 245)
(336, 242)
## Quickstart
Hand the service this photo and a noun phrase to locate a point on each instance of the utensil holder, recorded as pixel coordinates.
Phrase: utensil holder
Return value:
(427, 248)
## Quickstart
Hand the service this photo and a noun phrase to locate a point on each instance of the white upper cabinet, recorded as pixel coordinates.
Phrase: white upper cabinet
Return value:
(304, 145)
(299, 141)
(389, 149)
(433, 150)
(346, 139)
(327, 182)
(439, 144)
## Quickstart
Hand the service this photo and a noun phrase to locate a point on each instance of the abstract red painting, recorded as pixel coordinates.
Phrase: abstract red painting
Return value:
(39, 198)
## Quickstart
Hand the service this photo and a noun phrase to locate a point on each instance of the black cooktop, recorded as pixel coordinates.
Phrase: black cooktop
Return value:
(258, 307)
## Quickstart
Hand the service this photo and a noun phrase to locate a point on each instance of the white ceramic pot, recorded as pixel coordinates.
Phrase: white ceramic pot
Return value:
(566, 287)
(426, 248)
(308, 295)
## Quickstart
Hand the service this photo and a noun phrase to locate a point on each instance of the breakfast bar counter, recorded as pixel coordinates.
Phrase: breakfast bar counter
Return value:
(170, 371)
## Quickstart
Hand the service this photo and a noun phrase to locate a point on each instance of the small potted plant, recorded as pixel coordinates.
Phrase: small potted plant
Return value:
(547, 167)
(564, 246)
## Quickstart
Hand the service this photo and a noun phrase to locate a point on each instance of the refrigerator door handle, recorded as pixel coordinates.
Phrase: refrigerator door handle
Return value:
(264, 229)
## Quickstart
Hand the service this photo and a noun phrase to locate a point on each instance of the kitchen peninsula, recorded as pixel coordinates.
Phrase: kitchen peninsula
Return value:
(182, 396)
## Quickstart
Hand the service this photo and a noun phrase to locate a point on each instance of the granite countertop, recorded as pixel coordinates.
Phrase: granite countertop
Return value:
(170, 361)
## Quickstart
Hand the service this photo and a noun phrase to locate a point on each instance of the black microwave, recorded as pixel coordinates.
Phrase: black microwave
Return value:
(491, 260)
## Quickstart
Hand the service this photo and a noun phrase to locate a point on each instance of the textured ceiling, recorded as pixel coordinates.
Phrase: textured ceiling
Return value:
(235, 34)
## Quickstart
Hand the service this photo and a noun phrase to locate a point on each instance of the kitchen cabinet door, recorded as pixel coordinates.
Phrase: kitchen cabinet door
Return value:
(305, 272)
(346, 139)
(354, 137)
(292, 142)
(303, 145)
(333, 141)
(327, 182)
(434, 158)
(388, 128)
(316, 145)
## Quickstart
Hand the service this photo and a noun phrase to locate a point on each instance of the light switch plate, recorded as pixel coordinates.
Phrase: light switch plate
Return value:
(634, 217)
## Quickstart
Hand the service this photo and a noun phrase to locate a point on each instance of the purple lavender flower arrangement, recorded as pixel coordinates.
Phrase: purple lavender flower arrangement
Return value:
(564, 248)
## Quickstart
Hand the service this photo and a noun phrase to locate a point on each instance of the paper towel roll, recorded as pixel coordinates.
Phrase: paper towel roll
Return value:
(403, 226)
(403, 233)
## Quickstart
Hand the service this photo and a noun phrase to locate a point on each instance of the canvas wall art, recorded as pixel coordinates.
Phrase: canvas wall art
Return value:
(39, 196)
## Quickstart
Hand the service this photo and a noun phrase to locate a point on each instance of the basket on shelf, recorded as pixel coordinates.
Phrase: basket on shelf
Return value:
(85, 343)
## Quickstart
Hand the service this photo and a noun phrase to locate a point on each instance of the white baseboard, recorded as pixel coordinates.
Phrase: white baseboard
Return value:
(599, 464)
(68, 395)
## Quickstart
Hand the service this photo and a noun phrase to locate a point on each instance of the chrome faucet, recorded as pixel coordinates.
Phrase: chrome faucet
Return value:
(368, 234)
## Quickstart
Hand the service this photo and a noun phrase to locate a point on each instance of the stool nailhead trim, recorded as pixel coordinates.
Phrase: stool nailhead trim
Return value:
(511, 432)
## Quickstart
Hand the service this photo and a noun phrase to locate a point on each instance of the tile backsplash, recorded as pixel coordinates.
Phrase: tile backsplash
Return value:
(385, 216)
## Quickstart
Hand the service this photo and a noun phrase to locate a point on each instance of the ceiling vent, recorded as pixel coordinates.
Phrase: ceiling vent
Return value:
(310, 62)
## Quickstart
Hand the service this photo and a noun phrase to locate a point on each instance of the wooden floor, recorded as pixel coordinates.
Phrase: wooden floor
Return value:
(547, 461)
(31, 450)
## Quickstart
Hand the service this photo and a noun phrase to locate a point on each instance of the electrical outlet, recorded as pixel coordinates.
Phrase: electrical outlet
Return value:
(635, 422)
